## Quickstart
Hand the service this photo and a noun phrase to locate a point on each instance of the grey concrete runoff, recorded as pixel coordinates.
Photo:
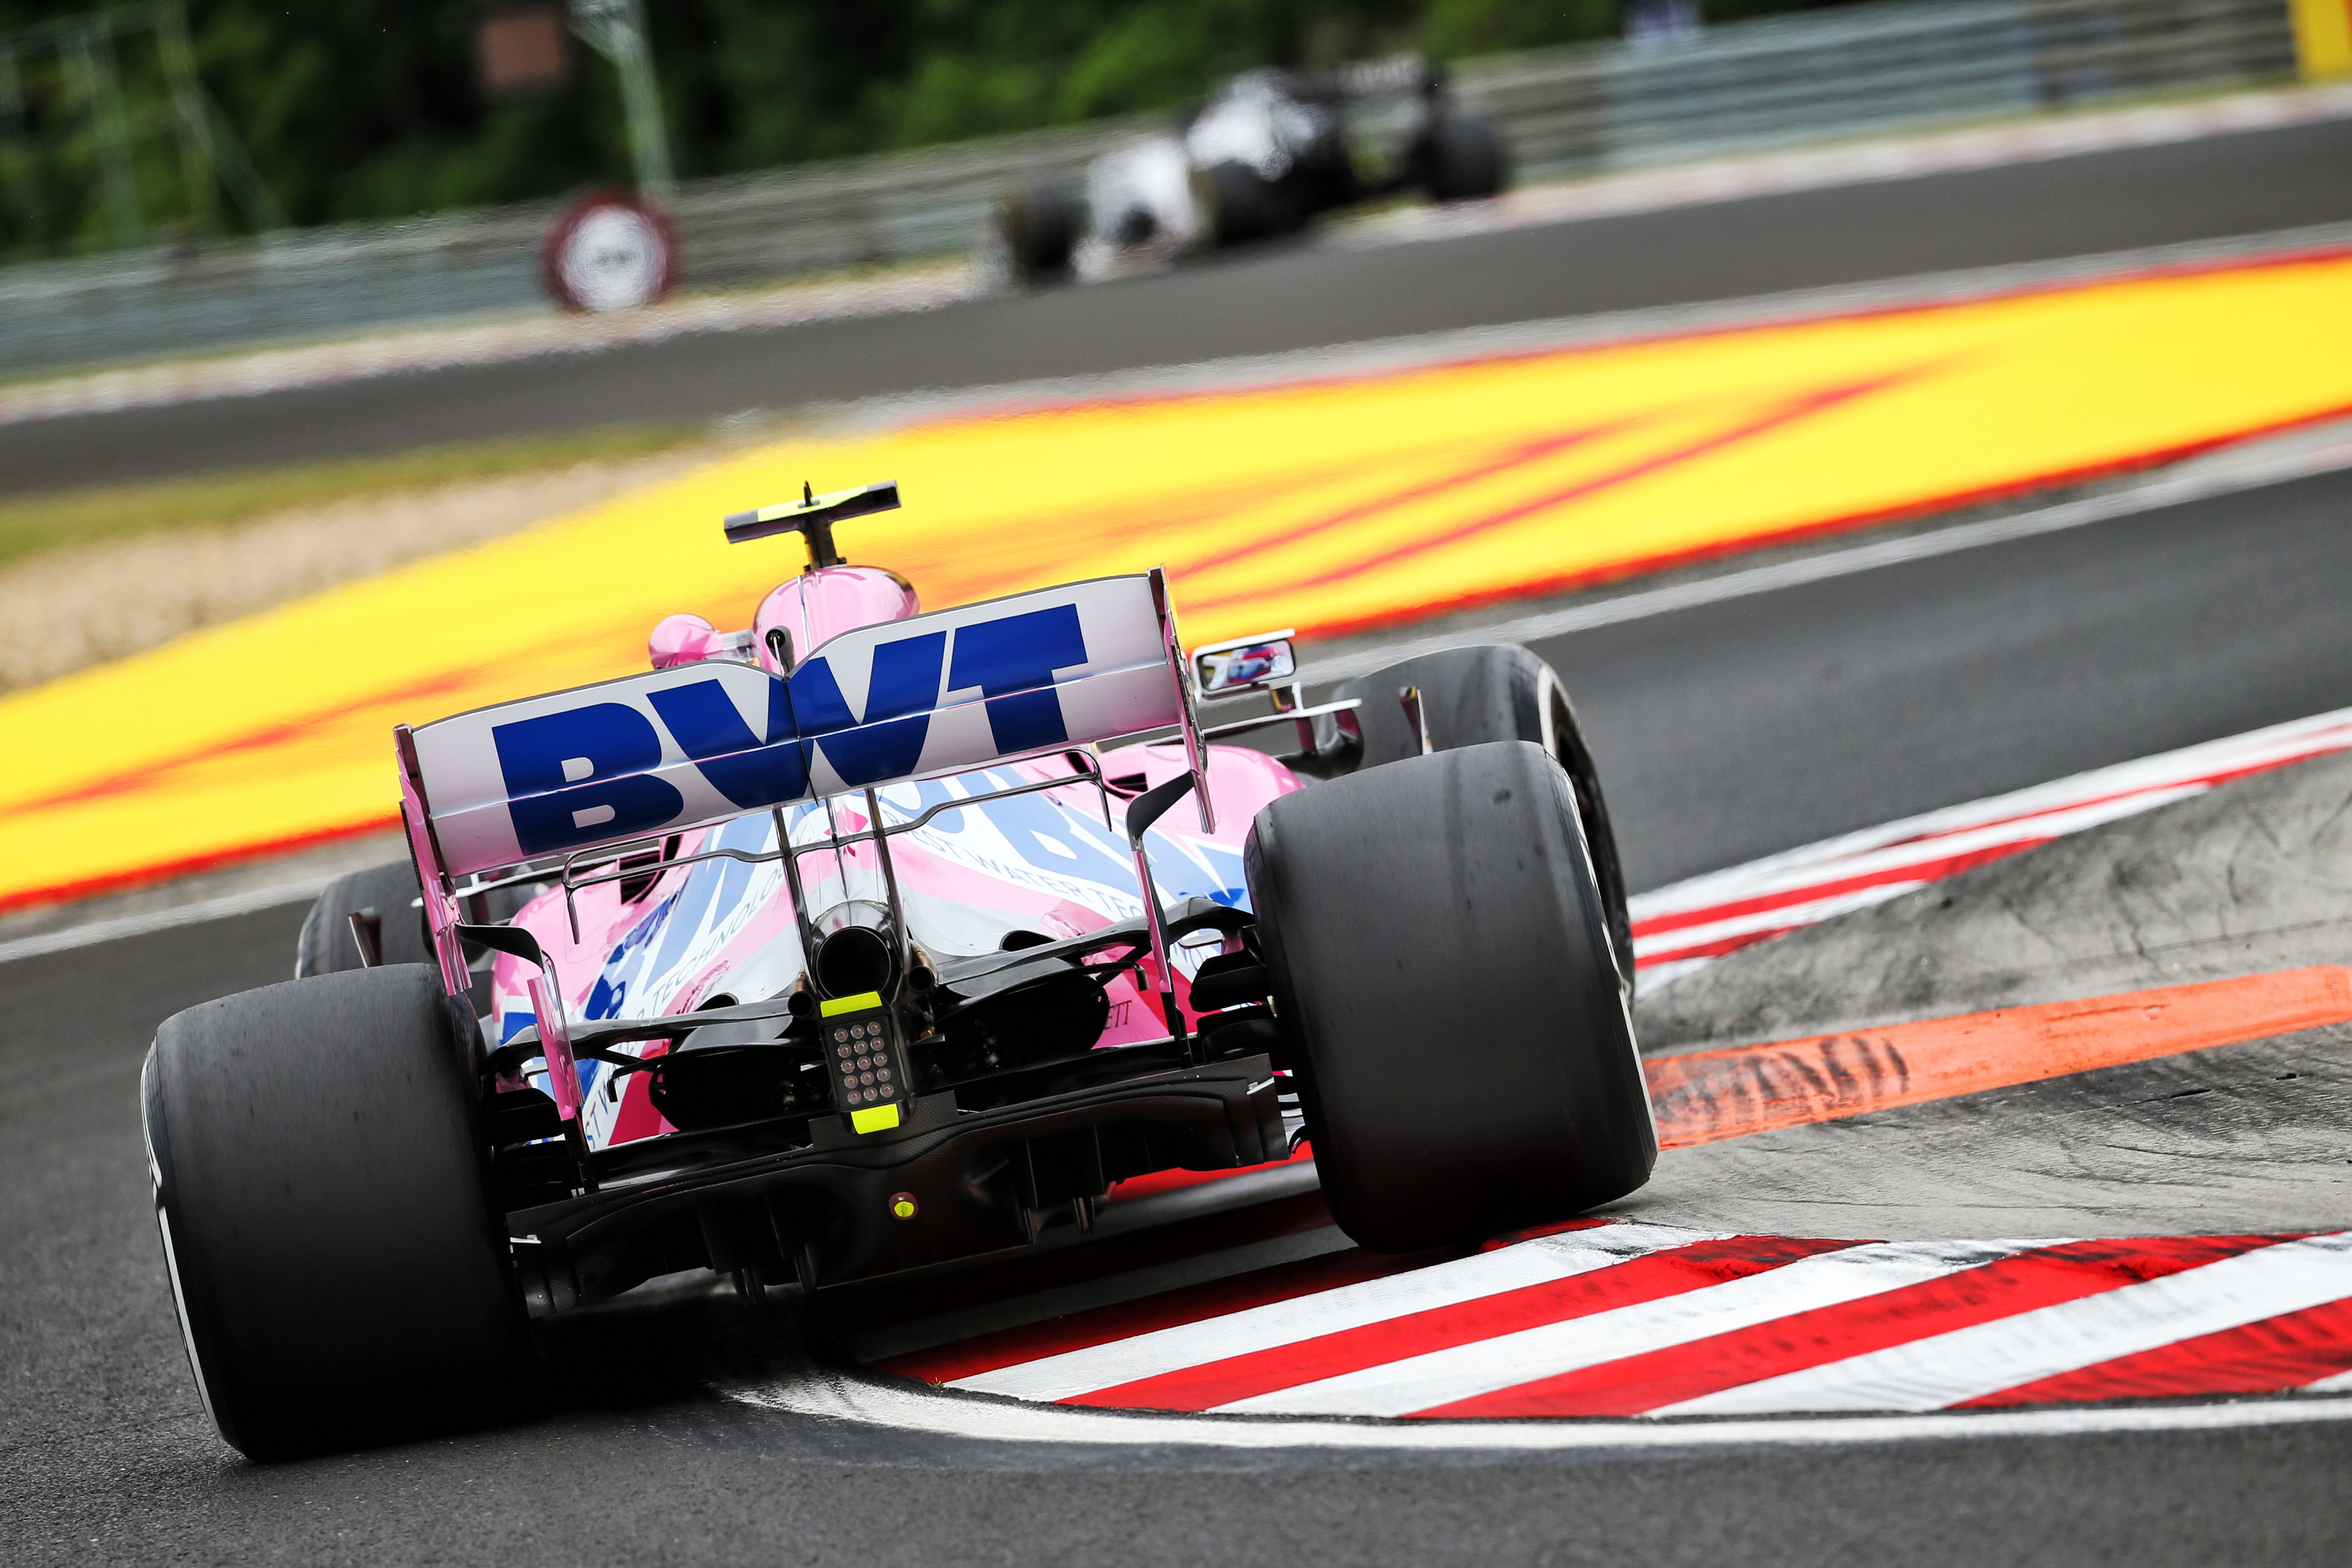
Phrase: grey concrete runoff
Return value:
(2252, 877)
(2254, 874)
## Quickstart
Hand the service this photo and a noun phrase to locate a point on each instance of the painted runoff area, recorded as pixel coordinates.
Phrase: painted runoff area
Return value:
(1330, 504)
(1631, 1319)
(1272, 1313)
(1690, 924)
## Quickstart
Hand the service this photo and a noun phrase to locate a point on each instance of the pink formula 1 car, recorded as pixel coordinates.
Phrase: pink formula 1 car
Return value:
(868, 941)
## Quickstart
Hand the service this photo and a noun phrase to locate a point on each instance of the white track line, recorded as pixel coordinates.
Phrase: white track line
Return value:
(1506, 1361)
(1277, 1323)
(161, 920)
(1379, 356)
(1985, 1358)
(2193, 481)
(1780, 882)
(1893, 859)
(866, 1401)
(2164, 776)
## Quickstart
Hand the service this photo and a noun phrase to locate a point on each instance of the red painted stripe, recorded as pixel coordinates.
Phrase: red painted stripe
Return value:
(1923, 870)
(193, 864)
(2300, 256)
(1506, 460)
(2313, 747)
(2269, 1357)
(1159, 1181)
(2019, 1284)
(1932, 868)
(1787, 411)
(1649, 1279)
(1589, 578)
(1103, 1325)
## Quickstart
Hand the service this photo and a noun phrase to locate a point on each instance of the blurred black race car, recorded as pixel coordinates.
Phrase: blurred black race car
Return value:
(1259, 158)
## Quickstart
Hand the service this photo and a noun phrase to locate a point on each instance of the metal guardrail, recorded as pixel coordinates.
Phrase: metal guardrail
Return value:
(1863, 69)
(1852, 71)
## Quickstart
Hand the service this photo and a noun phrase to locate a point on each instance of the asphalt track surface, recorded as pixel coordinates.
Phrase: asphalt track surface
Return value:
(1273, 300)
(1724, 732)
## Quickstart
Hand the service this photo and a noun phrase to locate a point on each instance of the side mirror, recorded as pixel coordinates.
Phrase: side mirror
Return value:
(1231, 668)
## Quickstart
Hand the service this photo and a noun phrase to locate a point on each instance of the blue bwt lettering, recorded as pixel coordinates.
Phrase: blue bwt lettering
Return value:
(585, 777)
(1017, 655)
(905, 680)
(580, 777)
(749, 771)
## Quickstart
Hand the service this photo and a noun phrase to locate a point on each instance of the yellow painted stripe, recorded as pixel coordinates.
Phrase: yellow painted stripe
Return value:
(2323, 37)
(1327, 505)
(865, 1001)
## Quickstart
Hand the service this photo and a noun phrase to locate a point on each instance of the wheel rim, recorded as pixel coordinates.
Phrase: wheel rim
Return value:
(1562, 737)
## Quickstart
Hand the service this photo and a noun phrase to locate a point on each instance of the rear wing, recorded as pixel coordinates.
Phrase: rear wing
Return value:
(675, 749)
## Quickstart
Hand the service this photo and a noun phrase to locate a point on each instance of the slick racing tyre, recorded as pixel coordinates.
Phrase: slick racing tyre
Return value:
(340, 1276)
(1471, 696)
(1242, 205)
(325, 946)
(1442, 976)
(1463, 160)
(1040, 225)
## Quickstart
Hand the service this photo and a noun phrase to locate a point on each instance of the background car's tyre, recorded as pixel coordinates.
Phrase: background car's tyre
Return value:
(340, 1276)
(1442, 981)
(1499, 691)
(1040, 225)
(1240, 206)
(325, 946)
(1464, 159)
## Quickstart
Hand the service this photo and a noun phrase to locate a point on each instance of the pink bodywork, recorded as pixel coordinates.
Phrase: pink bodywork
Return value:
(810, 609)
(818, 605)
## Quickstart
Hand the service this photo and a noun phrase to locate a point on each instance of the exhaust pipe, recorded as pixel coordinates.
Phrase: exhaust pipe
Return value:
(857, 949)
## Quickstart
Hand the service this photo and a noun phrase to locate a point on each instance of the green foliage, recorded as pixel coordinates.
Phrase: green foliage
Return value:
(1455, 28)
(368, 109)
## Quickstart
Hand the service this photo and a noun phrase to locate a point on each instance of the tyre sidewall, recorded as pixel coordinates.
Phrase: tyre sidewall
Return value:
(1464, 1058)
(320, 1184)
(1499, 692)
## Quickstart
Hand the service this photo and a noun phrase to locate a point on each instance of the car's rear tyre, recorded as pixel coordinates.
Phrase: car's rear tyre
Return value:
(1040, 225)
(1444, 983)
(1465, 159)
(1499, 692)
(339, 1275)
(325, 946)
(1241, 205)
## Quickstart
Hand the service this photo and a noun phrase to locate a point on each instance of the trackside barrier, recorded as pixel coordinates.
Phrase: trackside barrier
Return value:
(1851, 71)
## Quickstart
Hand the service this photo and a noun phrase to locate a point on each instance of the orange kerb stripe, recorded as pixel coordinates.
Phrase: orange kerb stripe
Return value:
(1709, 1095)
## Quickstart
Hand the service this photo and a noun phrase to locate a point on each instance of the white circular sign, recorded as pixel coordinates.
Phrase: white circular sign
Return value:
(613, 257)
